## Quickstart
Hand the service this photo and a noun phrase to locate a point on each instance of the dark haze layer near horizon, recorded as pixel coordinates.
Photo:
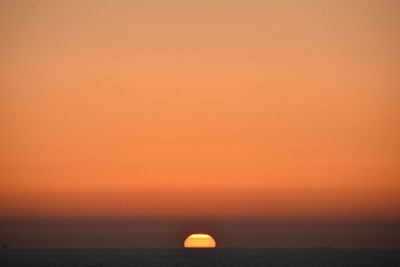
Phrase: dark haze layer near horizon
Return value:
(156, 232)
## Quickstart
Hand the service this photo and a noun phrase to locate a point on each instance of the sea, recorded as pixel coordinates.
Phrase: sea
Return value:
(199, 257)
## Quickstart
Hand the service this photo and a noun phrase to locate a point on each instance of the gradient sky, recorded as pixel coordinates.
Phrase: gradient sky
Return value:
(266, 123)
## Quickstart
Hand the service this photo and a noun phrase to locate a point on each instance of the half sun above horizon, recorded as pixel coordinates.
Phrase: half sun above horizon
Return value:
(199, 241)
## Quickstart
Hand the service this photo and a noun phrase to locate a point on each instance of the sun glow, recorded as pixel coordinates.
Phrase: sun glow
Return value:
(199, 241)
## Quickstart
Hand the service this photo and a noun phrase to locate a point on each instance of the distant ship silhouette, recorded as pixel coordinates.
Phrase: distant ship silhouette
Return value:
(4, 246)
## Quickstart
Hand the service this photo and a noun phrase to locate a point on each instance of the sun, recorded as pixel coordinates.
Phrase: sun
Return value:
(199, 241)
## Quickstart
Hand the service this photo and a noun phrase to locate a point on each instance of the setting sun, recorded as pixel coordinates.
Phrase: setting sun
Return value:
(199, 241)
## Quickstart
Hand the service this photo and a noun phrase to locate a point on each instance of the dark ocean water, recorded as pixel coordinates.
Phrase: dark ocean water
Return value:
(198, 257)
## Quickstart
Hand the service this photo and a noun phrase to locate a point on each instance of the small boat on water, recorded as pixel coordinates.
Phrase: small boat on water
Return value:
(4, 246)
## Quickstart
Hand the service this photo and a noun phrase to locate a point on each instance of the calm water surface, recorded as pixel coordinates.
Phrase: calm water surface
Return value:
(197, 257)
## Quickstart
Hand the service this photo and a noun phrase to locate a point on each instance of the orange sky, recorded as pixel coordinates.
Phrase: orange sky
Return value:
(267, 109)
